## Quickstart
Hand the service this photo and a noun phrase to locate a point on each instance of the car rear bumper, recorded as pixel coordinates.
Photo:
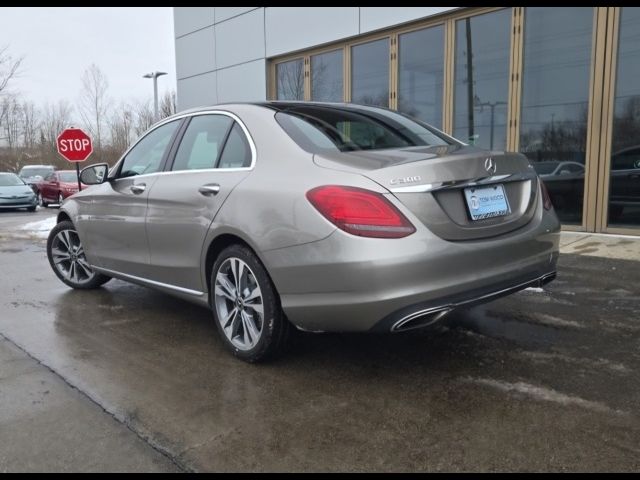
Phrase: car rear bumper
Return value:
(347, 283)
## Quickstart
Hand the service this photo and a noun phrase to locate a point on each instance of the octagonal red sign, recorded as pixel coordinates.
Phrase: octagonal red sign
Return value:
(74, 145)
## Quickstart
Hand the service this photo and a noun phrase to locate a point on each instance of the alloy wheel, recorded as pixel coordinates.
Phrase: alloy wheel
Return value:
(40, 201)
(69, 259)
(60, 199)
(239, 304)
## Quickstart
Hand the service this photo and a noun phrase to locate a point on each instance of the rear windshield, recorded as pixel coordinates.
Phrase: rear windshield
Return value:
(322, 128)
(68, 176)
(35, 171)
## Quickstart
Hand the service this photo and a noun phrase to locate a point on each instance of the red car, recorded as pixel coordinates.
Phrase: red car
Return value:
(57, 186)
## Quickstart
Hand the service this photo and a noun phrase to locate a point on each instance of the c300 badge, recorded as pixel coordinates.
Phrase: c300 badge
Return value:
(401, 181)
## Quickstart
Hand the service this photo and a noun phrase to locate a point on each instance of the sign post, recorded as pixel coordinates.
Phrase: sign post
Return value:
(75, 146)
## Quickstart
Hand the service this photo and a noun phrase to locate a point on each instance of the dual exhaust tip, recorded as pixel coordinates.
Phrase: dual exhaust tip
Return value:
(425, 317)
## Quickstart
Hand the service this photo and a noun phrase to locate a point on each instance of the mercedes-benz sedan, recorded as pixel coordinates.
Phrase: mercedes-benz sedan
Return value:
(324, 217)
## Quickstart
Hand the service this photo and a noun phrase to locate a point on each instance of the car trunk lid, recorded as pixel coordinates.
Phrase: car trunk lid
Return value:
(431, 183)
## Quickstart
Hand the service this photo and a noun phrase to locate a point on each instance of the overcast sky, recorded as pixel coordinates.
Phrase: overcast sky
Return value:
(58, 43)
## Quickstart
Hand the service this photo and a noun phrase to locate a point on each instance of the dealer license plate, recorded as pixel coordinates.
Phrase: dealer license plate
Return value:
(486, 202)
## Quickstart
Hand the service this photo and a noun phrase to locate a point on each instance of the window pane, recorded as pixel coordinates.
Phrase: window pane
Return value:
(290, 80)
(482, 79)
(421, 72)
(201, 142)
(147, 154)
(370, 73)
(555, 100)
(236, 153)
(624, 187)
(326, 77)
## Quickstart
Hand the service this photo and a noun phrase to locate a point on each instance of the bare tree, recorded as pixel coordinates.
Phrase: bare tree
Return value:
(121, 124)
(9, 67)
(144, 117)
(94, 103)
(168, 104)
(12, 121)
(55, 118)
(30, 125)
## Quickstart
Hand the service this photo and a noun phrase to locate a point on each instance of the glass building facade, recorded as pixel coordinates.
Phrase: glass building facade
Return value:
(558, 84)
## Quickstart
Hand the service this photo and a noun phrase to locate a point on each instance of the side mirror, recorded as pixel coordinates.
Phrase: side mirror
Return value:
(94, 174)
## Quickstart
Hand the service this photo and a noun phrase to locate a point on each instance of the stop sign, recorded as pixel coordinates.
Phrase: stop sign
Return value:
(74, 145)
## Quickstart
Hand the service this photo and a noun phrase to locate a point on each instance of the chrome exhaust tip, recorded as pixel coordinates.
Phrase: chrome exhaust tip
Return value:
(547, 278)
(422, 318)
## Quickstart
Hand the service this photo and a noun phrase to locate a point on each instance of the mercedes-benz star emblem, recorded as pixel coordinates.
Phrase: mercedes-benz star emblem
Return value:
(490, 165)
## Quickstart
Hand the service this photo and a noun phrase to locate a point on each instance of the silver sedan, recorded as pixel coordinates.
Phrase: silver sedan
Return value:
(322, 217)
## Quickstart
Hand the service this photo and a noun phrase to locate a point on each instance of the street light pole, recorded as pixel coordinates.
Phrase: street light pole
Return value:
(155, 76)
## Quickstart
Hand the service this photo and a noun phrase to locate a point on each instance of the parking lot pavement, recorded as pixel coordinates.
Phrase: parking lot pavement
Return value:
(45, 424)
(542, 380)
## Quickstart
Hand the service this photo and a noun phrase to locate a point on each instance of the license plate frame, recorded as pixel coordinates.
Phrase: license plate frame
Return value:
(486, 201)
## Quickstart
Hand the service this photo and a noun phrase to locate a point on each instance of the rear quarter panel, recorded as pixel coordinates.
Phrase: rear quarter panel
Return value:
(269, 208)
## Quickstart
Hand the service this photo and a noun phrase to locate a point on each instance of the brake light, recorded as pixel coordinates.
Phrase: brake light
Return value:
(546, 199)
(360, 212)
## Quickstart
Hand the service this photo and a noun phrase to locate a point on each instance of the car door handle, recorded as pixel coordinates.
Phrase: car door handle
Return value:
(209, 190)
(138, 189)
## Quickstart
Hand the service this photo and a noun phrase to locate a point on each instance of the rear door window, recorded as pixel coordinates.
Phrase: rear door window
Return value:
(202, 142)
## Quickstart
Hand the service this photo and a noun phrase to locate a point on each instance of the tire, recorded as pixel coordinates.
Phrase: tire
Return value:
(238, 332)
(41, 201)
(66, 257)
(31, 209)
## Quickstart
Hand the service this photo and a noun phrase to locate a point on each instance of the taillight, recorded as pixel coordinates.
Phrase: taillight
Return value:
(360, 212)
(546, 199)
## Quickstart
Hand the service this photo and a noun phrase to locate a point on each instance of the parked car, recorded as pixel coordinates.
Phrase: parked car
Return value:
(624, 193)
(15, 193)
(565, 182)
(558, 169)
(33, 174)
(56, 187)
(326, 217)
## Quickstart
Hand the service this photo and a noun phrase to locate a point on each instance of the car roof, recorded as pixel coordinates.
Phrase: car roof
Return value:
(278, 105)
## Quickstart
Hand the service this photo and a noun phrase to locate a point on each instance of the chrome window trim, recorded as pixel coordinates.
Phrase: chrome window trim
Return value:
(233, 116)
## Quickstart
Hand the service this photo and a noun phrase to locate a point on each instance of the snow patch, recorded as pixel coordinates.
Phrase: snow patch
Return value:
(553, 321)
(535, 289)
(543, 394)
(579, 361)
(40, 228)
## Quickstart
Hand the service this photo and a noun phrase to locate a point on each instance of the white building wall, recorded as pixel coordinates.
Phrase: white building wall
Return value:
(222, 52)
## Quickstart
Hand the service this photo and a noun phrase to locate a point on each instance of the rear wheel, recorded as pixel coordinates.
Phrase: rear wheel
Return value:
(246, 306)
(67, 258)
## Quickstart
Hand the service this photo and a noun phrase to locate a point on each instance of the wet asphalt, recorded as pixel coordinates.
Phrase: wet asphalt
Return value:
(544, 380)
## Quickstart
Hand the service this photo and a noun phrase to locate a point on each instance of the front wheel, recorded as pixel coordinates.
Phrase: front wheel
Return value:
(246, 306)
(41, 201)
(67, 258)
